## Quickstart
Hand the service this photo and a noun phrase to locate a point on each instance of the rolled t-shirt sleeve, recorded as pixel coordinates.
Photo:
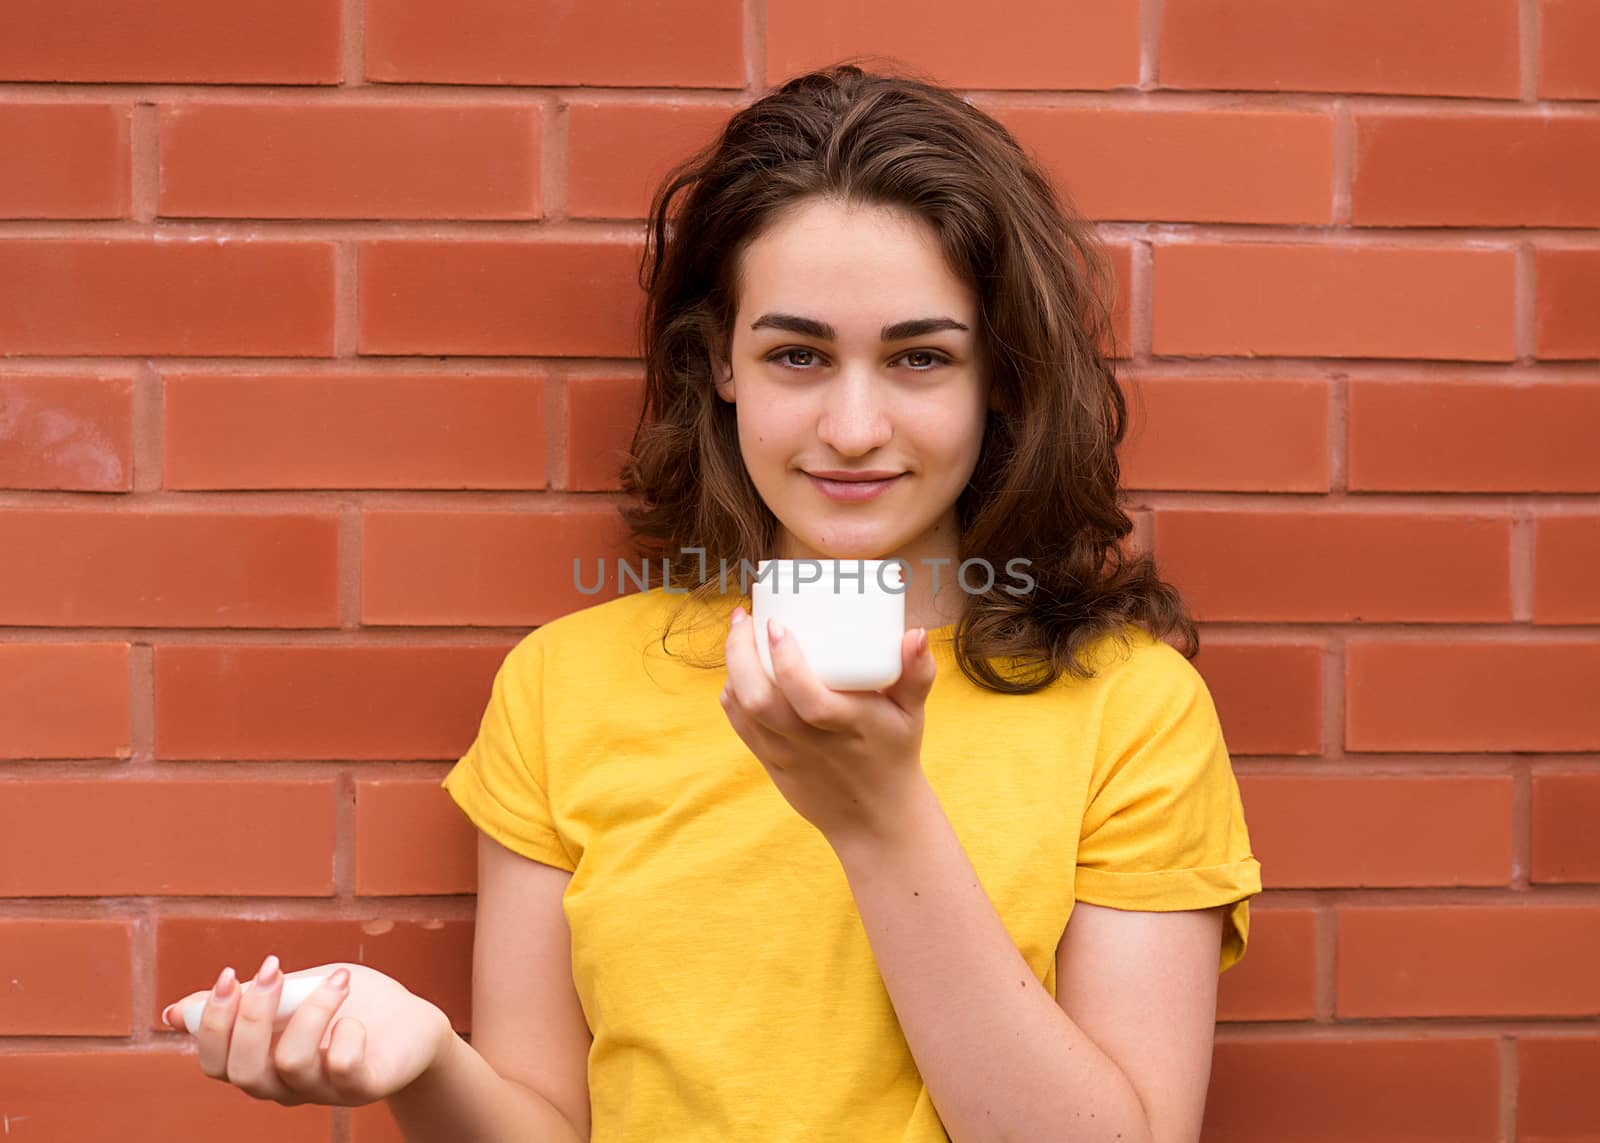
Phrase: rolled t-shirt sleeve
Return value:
(502, 782)
(1164, 826)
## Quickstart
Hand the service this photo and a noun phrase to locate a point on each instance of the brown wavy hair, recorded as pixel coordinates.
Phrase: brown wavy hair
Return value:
(1045, 485)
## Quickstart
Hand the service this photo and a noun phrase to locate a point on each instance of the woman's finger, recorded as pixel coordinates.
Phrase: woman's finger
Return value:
(816, 706)
(249, 1065)
(298, 1057)
(748, 686)
(762, 743)
(172, 1014)
(918, 668)
(216, 1025)
(346, 1058)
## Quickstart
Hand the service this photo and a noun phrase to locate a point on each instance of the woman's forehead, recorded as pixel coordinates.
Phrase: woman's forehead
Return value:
(849, 280)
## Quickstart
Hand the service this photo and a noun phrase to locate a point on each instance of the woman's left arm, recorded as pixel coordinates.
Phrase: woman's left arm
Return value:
(1001, 1059)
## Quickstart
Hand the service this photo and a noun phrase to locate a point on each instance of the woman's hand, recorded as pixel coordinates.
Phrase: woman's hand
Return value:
(847, 761)
(348, 1044)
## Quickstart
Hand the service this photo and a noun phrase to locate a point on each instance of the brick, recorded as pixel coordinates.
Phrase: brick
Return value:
(411, 839)
(348, 430)
(599, 43)
(1038, 45)
(64, 700)
(1277, 979)
(166, 838)
(1402, 47)
(544, 298)
(1430, 961)
(66, 977)
(1120, 257)
(1321, 300)
(601, 415)
(172, 41)
(1566, 554)
(1263, 434)
(1338, 567)
(1268, 695)
(1564, 809)
(349, 160)
(1184, 165)
(1427, 168)
(1557, 1100)
(428, 951)
(77, 432)
(1472, 436)
(1332, 1088)
(166, 295)
(619, 153)
(90, 568)
(386, 701)
(65, 160)
(1569, 44)
(1359, 831)
(143, 1097)
(495, 569)
(1458, 695)
(1567, 297)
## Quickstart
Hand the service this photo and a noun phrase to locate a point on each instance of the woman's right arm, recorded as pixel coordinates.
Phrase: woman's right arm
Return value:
(524, 1078)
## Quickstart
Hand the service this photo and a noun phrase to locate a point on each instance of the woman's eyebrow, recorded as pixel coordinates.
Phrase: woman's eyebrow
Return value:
(810, 327)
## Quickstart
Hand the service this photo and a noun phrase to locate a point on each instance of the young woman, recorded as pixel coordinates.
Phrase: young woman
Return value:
(989, 901)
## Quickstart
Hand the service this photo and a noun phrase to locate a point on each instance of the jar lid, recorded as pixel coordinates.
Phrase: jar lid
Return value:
(890, 572)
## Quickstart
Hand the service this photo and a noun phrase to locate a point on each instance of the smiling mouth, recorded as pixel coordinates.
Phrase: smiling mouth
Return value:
(840, 489)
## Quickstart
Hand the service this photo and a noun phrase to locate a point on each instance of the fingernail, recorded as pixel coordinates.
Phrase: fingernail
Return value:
(340, 978)
(777, 631)
(922, 640)
(268, 972)
(225, 985)
(738, 616)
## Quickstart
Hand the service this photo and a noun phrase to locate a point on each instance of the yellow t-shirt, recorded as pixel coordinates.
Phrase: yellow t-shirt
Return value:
(716, 949)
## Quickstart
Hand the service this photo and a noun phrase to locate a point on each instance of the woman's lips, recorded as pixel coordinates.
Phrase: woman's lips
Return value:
(851, 490)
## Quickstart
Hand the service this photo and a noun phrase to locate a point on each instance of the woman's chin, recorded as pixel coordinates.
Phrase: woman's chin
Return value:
(849, 552)
(859, 540)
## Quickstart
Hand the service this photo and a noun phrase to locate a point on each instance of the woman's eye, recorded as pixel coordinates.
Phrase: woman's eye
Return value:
(783, 355)
(933, 359)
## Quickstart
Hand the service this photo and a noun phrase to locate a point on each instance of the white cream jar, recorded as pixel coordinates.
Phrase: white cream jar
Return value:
(846, 616)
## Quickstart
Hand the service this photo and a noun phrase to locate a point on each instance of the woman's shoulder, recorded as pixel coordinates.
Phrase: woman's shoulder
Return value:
(1130, 658)
(1144, 680)
(612, 614)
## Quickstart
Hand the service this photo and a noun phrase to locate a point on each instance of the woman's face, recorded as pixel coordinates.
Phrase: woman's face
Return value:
(818, 388)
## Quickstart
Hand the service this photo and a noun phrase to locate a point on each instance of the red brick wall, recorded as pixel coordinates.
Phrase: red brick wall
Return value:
(317, 320)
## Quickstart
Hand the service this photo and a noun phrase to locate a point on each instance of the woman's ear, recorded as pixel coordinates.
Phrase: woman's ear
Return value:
(722, 374)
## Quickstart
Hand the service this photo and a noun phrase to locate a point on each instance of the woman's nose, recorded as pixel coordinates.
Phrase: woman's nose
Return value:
(855, 418)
